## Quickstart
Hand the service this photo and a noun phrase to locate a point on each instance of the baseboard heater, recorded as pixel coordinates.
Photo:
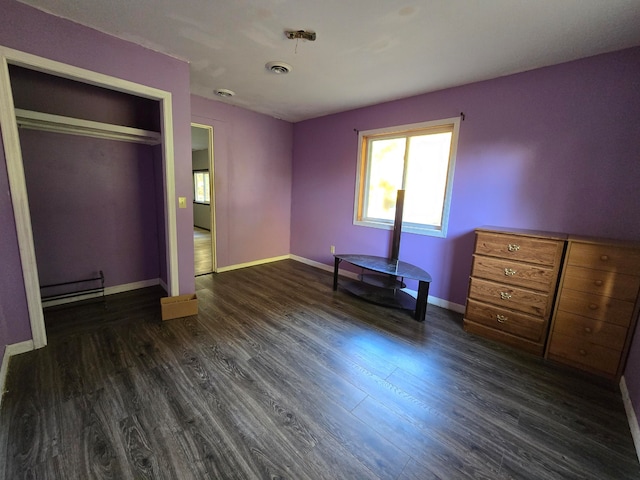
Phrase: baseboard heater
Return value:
(88, 286)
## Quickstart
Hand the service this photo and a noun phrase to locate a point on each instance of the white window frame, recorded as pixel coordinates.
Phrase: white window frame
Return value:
(362, 175)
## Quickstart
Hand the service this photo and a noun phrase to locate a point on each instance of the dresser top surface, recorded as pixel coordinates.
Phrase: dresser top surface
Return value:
(604, 241)
(523, 232)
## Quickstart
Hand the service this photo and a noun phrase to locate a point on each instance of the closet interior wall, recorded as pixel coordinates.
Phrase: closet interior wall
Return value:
(95, 203)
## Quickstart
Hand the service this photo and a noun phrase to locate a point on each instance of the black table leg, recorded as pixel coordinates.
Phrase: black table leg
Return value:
(335, 273)
(421, 301)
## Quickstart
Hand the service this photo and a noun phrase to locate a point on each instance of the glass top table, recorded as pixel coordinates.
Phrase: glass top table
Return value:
(393, 296)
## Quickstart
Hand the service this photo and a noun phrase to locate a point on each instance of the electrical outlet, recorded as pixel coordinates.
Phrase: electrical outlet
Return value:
(333, 249)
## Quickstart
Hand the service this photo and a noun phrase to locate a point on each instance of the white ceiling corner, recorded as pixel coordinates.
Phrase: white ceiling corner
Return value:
(366, 52)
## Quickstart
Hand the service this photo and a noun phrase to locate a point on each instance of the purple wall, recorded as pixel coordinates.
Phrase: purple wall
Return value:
(551, 149)
(29, 30)
(537, 150)
(160, 213)
(33, 90)
(13, 301)
(93, 207)
(252, 168)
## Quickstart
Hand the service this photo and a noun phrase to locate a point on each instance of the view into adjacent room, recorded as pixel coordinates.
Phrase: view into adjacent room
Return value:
(203, 214)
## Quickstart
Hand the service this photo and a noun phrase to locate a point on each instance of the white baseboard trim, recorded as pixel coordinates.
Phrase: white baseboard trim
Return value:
(127, 287)
(252, 264)
(454, 307)
(163, 284)
(446, 304)
(10, 351)
(631, 415)
(323, 266)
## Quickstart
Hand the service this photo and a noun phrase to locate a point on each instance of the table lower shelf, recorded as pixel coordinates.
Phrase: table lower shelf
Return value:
(388, 282)
(383, 286)
(387, 297)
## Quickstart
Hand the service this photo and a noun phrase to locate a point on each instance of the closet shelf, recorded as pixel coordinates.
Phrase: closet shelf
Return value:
(75, 126)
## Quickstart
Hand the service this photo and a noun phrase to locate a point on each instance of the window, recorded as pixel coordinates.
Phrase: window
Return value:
(201, 191)
(418, 158)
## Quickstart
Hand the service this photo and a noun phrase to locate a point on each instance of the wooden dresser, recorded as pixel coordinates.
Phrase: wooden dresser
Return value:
(597, 306)
(513, 283)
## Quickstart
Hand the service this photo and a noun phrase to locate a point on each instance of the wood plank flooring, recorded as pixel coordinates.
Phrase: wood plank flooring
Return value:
(203, 261)
(279, 377)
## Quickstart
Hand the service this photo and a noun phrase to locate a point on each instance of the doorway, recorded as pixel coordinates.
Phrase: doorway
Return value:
(204, 237)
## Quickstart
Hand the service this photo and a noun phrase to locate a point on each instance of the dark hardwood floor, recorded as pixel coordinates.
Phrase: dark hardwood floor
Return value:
(279, 377)
(203, 261)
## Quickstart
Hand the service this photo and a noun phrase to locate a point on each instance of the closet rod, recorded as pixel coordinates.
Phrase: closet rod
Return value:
(49, 122)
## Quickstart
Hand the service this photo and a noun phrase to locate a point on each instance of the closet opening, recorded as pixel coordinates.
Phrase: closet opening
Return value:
(90, 165)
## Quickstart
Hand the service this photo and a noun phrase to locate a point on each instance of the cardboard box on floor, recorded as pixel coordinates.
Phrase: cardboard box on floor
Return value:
(180, 306)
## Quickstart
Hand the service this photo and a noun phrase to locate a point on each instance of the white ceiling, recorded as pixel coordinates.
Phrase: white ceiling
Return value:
(366, 52)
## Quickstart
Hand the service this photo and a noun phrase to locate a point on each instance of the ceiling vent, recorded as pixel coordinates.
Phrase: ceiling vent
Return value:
(224, 92)
(279, 68)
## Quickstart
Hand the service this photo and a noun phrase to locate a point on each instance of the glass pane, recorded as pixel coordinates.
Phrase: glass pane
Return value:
(385, 177)
(427, 178)
(199, 187)
(207, 193)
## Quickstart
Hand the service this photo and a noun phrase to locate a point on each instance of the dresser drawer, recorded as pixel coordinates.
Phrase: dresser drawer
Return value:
(600, 333)
(598, 307)
(515, 247)
(517, 323)
(503, 337)
(605, 257)
(515, 298)
(601, 282)
(537, 277)
(578, 351)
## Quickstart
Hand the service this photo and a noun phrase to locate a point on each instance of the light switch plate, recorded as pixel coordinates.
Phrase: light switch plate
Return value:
(182, 202)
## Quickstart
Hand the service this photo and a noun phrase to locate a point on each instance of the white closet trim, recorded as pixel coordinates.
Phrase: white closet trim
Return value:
(88, 128)
(20, 202)
(17, 184)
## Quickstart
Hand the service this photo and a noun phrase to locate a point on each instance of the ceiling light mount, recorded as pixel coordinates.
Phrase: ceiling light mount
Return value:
(224, 92)
(279, 68)
(304, 34)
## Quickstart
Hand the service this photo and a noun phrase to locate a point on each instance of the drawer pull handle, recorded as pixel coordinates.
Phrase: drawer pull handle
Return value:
(505, 295)
(513, 247)
(593, 306)
(598, 283)
(501, 318)
(582, 352)
(509, 272)
(604, 258)
(587, 329)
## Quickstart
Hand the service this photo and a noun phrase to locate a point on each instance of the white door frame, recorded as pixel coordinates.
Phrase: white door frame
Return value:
(212, 194)
(17, 184)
